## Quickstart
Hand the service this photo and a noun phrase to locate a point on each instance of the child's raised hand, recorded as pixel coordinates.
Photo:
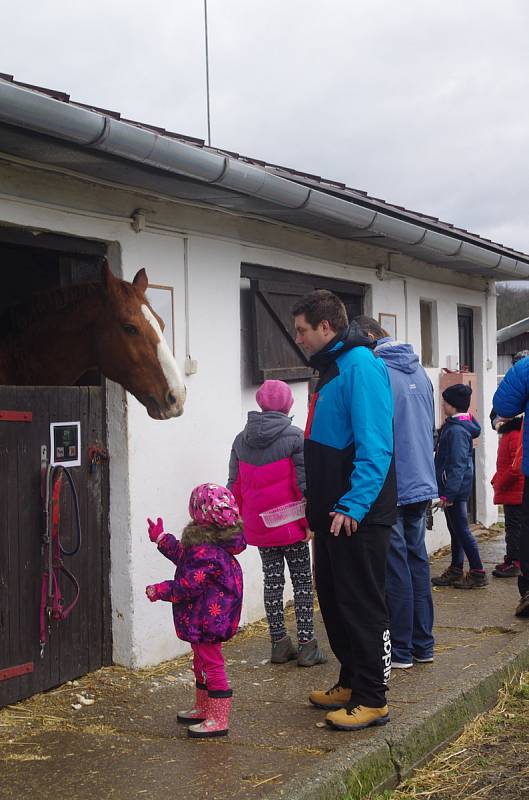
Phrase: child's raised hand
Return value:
(152, 593)
(155, 528)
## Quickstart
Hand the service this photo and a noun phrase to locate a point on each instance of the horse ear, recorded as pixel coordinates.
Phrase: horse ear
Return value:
(141, 281)
(107, 278)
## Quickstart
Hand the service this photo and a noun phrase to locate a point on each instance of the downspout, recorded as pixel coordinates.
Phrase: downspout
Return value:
(406, 331)
(489, 292)
(190, 364)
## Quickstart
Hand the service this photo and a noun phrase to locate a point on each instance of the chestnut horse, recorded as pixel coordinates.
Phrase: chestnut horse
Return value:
(111, 326)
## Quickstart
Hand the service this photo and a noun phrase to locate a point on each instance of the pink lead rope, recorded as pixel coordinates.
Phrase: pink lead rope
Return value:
(51, 600)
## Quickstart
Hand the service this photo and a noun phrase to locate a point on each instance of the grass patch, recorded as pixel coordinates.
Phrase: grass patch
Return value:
(488, 760)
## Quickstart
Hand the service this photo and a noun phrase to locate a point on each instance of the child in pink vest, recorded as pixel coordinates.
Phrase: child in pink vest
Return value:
(267, 472)
(206, 594)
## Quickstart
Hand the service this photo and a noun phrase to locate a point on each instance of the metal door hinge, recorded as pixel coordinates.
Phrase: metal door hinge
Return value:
(15, 672)
(16, 416)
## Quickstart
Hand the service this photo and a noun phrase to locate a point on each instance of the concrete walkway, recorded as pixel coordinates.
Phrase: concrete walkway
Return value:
(127, 744)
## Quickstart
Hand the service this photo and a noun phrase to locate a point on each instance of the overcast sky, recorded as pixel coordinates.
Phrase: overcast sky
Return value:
(421, 102)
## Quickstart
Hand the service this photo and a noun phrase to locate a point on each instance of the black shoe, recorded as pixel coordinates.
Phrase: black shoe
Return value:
(522, 609)
(448, 577)
(474, 579)
(509, 569)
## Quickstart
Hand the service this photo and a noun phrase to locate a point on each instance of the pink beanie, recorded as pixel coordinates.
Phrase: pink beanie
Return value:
(211, 504)
(275, 396)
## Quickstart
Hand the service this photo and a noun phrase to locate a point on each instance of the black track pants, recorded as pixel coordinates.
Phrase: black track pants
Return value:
(513, 523)
(523, 579)
(350, 579)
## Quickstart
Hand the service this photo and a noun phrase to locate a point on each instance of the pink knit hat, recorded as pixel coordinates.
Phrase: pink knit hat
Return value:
(275, 396)
(211, 504)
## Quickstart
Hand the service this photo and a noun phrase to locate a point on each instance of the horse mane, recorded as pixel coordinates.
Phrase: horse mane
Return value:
(17, 319)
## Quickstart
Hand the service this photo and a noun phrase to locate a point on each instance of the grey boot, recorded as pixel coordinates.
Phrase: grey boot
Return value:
(309, 654)
(283, 651)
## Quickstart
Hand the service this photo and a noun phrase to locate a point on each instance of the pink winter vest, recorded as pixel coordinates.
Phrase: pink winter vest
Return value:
(262, 488)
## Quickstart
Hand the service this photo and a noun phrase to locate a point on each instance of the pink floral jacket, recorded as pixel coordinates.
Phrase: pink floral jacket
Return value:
(206, 591)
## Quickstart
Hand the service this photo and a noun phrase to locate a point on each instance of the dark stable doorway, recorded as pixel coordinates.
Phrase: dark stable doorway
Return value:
(465, 324)
(34, 264)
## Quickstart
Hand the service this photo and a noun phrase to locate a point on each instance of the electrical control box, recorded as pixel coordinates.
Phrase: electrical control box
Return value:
(65, 444)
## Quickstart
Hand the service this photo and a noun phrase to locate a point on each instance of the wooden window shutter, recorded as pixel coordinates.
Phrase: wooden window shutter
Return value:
(276, 354)
(272, 352)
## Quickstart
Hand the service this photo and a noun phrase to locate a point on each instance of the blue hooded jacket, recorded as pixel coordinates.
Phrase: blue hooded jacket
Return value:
(453, 461)
(349, 435)
(414, 422)
(512, 397)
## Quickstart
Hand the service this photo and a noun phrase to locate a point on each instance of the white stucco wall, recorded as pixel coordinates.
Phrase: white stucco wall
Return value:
(154, 465)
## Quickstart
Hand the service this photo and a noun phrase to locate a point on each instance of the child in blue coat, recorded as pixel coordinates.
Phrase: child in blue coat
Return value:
(455, 470)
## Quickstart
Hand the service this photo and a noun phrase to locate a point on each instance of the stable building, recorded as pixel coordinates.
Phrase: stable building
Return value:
(228, 243)
(510, 340)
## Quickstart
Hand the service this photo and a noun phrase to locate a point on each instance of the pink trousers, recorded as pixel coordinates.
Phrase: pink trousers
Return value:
(208, 666)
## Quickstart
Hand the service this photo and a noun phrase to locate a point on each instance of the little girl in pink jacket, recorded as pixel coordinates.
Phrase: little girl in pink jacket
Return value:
(206, 594)
(266, 472)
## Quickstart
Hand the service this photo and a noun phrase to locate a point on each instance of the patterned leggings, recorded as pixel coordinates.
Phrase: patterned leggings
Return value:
(298, 560)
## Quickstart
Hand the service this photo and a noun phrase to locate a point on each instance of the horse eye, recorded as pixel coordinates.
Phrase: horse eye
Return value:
(131, 329)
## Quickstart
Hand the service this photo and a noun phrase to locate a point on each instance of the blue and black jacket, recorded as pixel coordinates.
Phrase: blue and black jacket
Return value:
(454, 465)
(349, 435)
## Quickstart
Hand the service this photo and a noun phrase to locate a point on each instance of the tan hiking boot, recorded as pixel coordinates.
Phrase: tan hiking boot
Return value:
(335, 697)
(357, 717)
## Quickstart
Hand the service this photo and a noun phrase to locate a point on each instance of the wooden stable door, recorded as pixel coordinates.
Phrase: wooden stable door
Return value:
(81, 643)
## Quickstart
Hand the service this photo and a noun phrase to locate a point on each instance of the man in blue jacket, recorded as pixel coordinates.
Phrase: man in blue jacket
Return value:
(511, 398)
(351, 505)
(408, 587)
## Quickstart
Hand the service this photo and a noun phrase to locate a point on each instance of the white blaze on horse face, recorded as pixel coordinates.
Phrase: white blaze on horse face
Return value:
(167, 362)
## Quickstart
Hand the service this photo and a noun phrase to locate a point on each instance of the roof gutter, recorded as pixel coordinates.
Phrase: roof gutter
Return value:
(510, 331)
(37, 112)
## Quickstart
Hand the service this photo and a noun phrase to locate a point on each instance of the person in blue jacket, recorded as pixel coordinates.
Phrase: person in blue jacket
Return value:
(455, 470)
(351, 505)
(408, 587)
(512, 398)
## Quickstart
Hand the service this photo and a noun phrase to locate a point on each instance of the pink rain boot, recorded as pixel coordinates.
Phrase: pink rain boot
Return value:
(218, 713)
(198, 713)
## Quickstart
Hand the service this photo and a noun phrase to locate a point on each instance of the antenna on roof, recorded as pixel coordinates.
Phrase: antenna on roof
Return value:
(207, 69)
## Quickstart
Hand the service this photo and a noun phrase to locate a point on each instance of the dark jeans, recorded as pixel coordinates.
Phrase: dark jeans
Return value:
(523, 579)
(462, 541)
(408, 587)
(350, 580)
(513, 524)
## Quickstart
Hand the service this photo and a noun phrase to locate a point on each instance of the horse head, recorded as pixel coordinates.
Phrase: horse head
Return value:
(132, 349)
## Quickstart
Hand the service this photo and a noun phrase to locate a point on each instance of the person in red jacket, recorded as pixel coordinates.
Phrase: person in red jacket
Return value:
(508, 483)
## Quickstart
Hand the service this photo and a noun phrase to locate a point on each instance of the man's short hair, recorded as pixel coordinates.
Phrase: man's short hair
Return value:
(370, 325)
(319, 305)
(519, 355)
